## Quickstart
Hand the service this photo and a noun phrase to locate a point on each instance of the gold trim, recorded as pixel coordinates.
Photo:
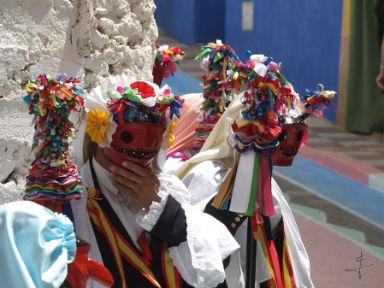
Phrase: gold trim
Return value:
(344, 63)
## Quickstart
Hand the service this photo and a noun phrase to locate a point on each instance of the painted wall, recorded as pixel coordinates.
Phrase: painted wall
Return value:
(191, 21)
(175, 18)
(303, 35)
(209, 20)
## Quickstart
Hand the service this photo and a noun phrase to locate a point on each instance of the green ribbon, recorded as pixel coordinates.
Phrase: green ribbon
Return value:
(205, 50)
(113, 95)
(218, 56)
(166, 100)
(132, 94)
(254, 186)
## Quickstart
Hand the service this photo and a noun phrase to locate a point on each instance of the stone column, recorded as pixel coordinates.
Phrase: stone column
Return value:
(89, 39)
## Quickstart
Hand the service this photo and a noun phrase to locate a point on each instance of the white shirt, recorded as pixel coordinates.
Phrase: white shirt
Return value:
(198, 260)
(206, 178)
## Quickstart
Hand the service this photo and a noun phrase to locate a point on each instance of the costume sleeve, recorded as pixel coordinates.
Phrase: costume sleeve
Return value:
(200, 258)
(231, 220)
(165, 220)
(199, 243)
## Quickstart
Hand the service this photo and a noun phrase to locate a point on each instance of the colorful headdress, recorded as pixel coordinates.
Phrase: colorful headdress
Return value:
(217, 61)
(268, 101)
(52, 177)
(269, 105)
(165, 63)
(316, 101)
(130, 119)
(294, 131)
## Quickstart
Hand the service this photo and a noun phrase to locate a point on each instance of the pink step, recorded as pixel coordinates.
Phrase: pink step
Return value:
(331, 253)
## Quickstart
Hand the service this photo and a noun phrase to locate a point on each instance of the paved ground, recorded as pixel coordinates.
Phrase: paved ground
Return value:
(335, 187)
(333, 256)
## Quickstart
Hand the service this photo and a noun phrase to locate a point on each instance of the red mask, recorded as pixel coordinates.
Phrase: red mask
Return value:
(137, 142)
(292, 134)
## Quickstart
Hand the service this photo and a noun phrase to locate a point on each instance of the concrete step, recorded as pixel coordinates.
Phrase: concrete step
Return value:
(332, 216)
(310, 212)
(356, 236)
(349, 233)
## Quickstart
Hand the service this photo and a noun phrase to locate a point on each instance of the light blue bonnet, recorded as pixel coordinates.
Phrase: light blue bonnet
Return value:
(36, 246)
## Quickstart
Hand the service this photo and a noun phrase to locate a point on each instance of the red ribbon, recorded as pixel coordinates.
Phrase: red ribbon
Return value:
(143, 243)
(265, 200)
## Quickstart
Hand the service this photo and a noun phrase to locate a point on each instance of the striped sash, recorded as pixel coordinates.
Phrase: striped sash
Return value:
(122, 249)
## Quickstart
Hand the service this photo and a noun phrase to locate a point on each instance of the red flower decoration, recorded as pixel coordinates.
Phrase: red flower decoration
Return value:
(145, 90)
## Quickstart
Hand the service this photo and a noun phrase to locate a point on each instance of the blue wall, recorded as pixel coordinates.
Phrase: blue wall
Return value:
(176, 18)
(303, 35)
(209, 20)
(191, 21)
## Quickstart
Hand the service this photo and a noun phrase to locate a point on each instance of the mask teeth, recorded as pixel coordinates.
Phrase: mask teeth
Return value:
(133, 153)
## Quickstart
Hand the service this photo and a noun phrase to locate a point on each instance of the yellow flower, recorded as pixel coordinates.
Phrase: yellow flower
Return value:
(97, 125)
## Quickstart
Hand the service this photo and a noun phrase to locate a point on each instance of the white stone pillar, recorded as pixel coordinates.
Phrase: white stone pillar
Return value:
(89, 39)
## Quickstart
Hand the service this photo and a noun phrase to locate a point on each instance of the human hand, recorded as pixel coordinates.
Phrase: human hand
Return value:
(137, 182)
(380, 80)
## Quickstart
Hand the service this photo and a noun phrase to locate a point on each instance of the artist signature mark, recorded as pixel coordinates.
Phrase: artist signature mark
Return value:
(358, 269)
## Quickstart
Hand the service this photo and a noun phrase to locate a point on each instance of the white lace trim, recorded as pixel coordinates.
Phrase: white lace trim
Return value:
(218, 234)
(147, 220)
(200, 259)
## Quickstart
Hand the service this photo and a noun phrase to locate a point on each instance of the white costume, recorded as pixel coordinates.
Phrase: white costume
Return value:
(204, 173)
(199, 259)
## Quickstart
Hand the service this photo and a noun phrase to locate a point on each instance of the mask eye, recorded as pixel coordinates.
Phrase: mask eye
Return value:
(126, 137)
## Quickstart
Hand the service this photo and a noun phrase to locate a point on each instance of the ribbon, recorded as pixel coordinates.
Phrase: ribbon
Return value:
(119, 246)
(252, 187)
(178, 154)
(243, 183)
(287, 271)
(255, 186)
(271, 257)
(223, 196)
(317, 101)
(102, 223)
(51, 101)
(265, 201)
(171, 275)
(143, 243)
(171, 133)
(122, 249)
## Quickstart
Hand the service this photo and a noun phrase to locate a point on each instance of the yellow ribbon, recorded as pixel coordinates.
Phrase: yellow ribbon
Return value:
(244, 122)
(171, 133)
(30, 87)
(121, 248)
